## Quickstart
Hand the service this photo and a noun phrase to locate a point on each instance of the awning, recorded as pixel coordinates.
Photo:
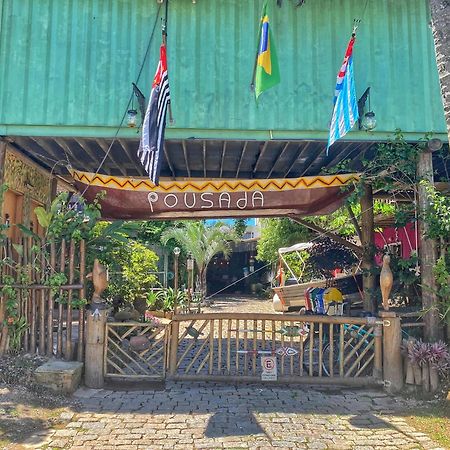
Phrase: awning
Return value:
(139, 199)
(295, 248)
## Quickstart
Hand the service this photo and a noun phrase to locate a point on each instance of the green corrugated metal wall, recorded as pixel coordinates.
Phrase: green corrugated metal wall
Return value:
(66, 66)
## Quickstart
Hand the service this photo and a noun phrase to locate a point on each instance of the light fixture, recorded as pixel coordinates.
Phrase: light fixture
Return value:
(366, 121)
(176, 251)
(131, 118)
(434, 144)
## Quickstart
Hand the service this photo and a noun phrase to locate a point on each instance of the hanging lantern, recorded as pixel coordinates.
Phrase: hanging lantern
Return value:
(369, 122)
(132, 113)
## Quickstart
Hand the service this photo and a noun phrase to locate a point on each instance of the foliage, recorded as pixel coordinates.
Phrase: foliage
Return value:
(239, 228)
(202, 241)
(277, 233)
(69, 217)
(165, 299)
(16, 329)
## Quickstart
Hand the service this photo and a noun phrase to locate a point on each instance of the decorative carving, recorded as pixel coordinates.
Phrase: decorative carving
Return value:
(386, 281)
(26, 178)
(100, 280)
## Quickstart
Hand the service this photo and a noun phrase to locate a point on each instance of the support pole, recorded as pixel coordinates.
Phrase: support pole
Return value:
(368, 244)
(428, 252)
(173, 348)
(392, 357)
(95, 346)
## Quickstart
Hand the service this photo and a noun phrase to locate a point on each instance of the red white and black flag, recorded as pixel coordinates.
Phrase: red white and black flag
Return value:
(152, 139)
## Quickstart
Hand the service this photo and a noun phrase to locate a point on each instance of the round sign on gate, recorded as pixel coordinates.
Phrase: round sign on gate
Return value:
(269, 368)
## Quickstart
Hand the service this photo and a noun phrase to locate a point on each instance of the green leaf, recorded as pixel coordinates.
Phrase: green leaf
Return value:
(18, 248)
(44, 218)
(27, 231)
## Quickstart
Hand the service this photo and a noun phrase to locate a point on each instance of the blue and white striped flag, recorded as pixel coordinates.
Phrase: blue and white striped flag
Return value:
(345, 112)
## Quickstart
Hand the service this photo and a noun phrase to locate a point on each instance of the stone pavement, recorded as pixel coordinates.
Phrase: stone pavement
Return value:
(215, 416)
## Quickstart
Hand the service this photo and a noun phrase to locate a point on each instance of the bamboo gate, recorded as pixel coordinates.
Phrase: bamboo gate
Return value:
(46, 281)
(233, 347)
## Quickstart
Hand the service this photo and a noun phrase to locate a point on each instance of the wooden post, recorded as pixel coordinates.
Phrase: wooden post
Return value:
(95, 347)
(428, 253)
(368, 244)
(392, 357)
(175, 328)
(378, 352)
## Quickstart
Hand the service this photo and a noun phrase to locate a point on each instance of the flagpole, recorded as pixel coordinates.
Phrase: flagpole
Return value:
(164, 40)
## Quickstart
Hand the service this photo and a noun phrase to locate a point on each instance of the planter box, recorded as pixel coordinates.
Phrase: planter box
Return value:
(160, 314)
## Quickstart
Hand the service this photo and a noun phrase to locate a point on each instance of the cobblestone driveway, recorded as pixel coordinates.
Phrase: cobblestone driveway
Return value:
(208, 415)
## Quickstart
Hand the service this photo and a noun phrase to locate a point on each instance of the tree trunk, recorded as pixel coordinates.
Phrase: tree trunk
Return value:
(440, 21)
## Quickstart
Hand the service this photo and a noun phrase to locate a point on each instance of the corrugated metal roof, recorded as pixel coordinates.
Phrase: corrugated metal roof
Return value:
(70, 64)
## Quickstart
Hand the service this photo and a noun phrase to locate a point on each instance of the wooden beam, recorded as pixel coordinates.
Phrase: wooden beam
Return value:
(341, 155)
(355, 248)
(368, 244)
(102, 144)
(88, 150)
(314, 161)
(66, 149)
(300, 152)
(428, 252)
(183, 144)
(261, 154)
(222, 159)
(280, 155)
(244, 149)
(42, 144)
(166, 153)
(3, 145)
(136, 164)
(204, 158)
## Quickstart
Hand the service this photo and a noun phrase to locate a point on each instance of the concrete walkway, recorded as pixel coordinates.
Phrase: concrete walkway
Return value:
(208, 415)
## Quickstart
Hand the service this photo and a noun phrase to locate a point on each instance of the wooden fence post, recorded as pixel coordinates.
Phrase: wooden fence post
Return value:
(173, 348)
(95, 347)
(392, 358)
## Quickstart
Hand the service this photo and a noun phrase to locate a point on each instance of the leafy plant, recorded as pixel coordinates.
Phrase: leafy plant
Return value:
(167, 299)
(15, 330)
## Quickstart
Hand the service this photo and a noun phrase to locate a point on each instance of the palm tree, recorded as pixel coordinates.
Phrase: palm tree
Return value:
(203, 242)
(440, 21)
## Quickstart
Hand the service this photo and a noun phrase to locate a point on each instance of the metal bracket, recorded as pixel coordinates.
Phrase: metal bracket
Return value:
(386, 323)
(386, 383)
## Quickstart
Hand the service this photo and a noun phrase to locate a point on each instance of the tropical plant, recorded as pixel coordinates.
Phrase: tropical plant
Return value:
(203, 242)
(166, 299)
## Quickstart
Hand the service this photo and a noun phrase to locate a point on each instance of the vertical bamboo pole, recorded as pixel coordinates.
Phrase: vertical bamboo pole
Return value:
(282, 345)
(211, 347)
(245, 348)
(341, 350)
(219, 345)
(42, 294)
(26, 314)
(68, 353)
(59, 333)
(301, 353)
(320, 348)
(82, 295)
(51, 302)
(237, 347)
(3, 145)
(229, 347)
(311, 349)
(378, 353)
(33, 300)
(331, 348)
(175, 329)
(255, 346)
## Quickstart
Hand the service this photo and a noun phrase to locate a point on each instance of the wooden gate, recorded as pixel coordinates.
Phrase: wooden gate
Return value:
(310, 349)
(135, 351)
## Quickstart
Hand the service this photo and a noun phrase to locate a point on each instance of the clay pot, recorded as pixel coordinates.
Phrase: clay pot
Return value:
(139, 343)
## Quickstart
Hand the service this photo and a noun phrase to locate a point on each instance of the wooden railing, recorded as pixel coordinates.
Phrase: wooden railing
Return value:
(230, 346)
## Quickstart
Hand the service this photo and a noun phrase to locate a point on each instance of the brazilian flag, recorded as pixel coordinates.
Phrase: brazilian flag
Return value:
(267, 72)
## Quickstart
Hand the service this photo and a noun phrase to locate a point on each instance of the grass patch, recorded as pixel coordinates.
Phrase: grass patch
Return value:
(434, 421)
